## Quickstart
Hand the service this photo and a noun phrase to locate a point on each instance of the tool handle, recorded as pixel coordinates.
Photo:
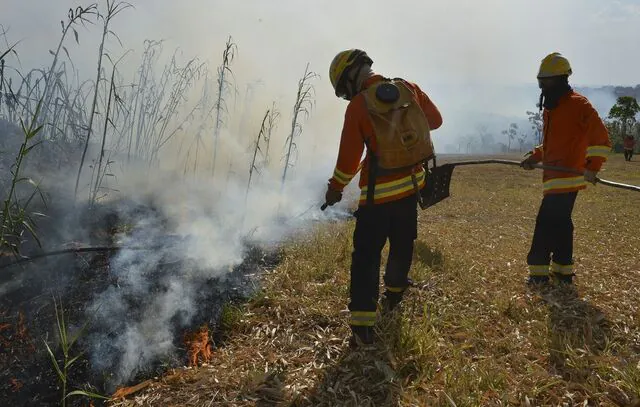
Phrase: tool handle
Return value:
(548, 167)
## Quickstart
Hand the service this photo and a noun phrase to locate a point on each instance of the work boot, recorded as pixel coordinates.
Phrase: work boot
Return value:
(564, 279)
(361, 335)
(537, 281)
(390, 301)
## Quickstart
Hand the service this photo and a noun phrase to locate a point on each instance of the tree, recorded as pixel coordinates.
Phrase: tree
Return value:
(511, 134)
(622, 118)
(536, 125)
(521, 141)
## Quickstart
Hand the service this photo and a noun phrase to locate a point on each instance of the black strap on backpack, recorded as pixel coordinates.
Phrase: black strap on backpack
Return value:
(373, 174)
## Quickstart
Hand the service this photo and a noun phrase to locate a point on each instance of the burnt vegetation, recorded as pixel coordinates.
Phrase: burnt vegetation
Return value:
(99, 290)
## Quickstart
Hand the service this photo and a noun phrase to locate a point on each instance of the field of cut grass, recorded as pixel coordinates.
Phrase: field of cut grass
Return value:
(470, 333)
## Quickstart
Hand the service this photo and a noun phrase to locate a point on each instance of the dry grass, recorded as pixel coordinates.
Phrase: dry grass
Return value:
(470, 333)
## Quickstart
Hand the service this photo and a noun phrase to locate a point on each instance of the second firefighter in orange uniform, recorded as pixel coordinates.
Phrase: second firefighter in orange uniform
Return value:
(575, 138)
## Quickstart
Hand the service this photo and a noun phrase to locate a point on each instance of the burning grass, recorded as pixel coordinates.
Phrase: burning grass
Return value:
(470, 331)
(198, 346)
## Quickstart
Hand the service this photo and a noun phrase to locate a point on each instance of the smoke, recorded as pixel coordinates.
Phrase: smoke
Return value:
(200, 230)
(493, 44)
(602, 98)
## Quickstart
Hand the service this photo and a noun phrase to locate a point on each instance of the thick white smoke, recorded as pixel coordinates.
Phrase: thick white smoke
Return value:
(201, 232)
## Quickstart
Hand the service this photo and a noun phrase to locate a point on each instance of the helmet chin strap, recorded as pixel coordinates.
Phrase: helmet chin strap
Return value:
(351, 85)
(541, 102)
(356, 81)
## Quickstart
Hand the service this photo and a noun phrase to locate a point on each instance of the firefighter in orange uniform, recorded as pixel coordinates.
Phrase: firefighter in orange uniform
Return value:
(629, 144)
(388, 200)
(574, 137)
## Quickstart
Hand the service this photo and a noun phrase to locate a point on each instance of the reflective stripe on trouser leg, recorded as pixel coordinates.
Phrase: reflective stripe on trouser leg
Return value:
(394, 289)
(562, 270)
(363, 318)
(538, 270)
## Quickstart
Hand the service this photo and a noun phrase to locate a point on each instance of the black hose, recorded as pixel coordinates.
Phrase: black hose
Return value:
(75, 250)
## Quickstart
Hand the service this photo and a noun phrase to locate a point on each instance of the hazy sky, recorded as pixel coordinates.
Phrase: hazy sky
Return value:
(436, 43)
(433, 41)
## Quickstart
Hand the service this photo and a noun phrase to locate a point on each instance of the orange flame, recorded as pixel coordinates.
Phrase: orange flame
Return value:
(198, 345)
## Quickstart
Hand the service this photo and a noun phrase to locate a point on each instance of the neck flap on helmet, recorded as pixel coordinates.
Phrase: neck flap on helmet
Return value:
(550, 96)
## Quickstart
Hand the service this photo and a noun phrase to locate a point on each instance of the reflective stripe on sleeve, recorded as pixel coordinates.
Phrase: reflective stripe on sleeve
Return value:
(341, 177)
(598, 151)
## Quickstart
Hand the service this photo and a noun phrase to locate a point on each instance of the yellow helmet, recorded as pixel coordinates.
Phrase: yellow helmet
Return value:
(341, 64)
(554, 64)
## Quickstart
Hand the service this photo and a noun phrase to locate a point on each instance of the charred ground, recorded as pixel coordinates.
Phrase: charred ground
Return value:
(72, 281)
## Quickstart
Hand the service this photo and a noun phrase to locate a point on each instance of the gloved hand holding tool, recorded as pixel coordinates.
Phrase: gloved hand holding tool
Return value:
(528, 162)
(331, 198)
(591, 176)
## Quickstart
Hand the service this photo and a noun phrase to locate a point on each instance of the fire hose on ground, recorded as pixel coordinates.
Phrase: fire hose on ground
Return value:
(439, 179)
(76, 250)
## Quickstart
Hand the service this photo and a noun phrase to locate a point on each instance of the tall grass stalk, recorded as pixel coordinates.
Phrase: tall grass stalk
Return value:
(256, 149)
(223, 85)
(79, 14)
(272, 123)
(14, 215)
(303, 105)
(107, 120)
(113, 9)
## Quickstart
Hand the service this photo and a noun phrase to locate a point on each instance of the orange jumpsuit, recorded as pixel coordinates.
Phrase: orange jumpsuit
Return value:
(574, 137)
(392, 216)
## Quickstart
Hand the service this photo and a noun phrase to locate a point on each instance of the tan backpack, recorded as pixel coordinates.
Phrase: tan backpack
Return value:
(402, 131)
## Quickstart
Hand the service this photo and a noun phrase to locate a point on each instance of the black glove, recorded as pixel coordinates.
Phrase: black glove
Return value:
(528, 161)
(332, 196)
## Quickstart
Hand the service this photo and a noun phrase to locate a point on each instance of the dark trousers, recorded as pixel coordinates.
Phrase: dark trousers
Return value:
(628, 154)
(553, 234)
(396, 221)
